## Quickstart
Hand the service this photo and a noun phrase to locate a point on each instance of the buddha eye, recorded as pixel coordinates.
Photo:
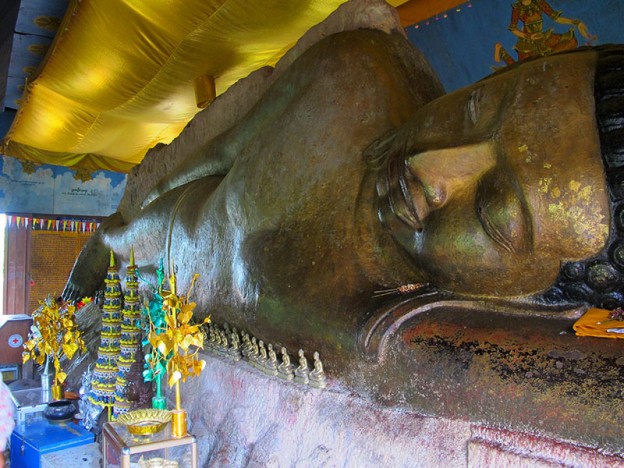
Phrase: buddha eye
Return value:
(474, 105)
(501, 213)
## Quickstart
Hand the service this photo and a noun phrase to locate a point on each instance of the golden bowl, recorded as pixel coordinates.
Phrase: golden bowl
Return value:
(145, 421)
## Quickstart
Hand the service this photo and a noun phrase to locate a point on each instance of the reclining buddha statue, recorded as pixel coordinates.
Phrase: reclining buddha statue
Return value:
(354, 174)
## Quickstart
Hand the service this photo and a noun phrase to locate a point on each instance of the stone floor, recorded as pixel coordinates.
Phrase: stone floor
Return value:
(84, 456)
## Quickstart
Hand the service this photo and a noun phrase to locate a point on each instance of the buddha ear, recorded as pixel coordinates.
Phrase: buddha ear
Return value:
(392, 142)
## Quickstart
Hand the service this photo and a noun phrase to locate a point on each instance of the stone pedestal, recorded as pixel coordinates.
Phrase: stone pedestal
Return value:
(242, 417)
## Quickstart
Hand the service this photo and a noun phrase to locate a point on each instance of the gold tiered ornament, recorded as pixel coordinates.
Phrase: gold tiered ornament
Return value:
(182, 341)
(54, 332)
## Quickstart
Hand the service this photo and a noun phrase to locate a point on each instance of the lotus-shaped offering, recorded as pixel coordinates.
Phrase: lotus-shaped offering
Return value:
(145, 421)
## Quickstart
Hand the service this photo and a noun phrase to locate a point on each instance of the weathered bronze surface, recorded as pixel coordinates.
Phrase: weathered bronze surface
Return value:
(487, 190)
(288, 243)
(350, 177)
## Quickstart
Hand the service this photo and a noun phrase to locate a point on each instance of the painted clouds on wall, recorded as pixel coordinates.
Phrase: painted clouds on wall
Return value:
(54, 190)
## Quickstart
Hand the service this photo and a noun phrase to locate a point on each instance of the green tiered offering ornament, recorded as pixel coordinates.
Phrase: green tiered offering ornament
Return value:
(154, 324)
(130, 342)
(105, 373)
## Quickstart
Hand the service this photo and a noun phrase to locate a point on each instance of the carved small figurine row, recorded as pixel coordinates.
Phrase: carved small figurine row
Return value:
(236, 346)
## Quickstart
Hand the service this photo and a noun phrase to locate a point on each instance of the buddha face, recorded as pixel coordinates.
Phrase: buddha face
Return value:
(501, 182)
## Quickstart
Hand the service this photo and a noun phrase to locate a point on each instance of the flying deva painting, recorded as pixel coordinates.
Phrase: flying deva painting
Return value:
(533, 40)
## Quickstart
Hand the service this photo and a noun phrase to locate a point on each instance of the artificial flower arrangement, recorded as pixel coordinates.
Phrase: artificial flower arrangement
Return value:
(153, 319)
(175, 346)
(54, 332)
(83, 302)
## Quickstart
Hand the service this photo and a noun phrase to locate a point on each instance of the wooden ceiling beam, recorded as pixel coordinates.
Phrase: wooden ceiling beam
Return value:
(415, 11)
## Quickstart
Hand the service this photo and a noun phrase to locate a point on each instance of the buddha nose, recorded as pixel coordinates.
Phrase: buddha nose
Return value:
(444, 173)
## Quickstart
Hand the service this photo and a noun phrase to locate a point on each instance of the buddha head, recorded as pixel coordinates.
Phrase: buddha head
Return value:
(512, 187)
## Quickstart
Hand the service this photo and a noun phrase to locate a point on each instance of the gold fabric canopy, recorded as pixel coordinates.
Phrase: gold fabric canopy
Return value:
(122, 75)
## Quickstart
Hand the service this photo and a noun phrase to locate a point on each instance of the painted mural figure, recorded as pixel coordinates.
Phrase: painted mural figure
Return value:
(355, 173)
(533, 40)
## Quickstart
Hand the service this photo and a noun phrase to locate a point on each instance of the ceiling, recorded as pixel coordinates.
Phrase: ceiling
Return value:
(27, 31)
(93, 84)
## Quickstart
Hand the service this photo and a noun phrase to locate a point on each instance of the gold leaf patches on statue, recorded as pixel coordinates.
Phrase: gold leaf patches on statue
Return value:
(544, 184)
(573, 211)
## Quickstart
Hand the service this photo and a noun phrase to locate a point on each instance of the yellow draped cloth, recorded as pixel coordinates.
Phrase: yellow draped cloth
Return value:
(124, 75)
(121, 75)
(598, 323)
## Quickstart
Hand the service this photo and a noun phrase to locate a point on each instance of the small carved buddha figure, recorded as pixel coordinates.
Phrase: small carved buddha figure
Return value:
(262, 355)
(223, 342)
(206, 333)
(317, 375)
(210, 337)
(235, 336)
(270, 366)
(217, 341)
(246, 345)
(233, 351)
(254, 351)
(301, 372)
(285, 370)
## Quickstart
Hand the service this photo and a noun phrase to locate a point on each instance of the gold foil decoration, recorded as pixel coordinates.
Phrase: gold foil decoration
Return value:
(54, 332)
(180, 342)
(145, 421)
(47, 23)
(178, 423)
(38, 49)
(57, 392)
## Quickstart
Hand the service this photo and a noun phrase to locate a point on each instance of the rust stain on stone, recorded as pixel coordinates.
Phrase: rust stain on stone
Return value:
(548, 360)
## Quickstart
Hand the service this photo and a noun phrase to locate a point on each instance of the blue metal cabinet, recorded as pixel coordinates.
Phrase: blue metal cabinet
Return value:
(29, 443)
